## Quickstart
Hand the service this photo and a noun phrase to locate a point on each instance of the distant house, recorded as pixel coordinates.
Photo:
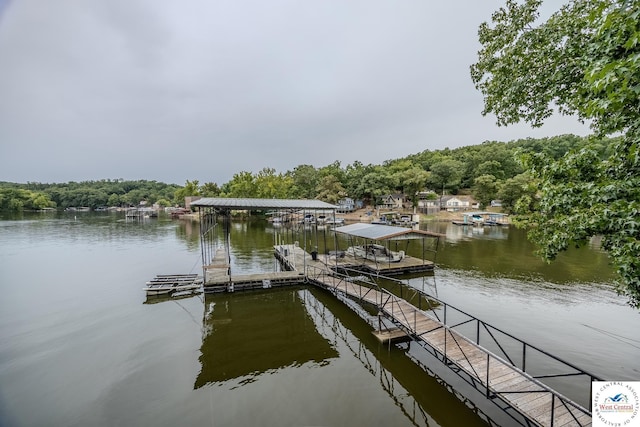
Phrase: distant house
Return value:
(496, 203)
(346, 205)
(428, 202)
(427, 199)
(458, 203)
(393, 201)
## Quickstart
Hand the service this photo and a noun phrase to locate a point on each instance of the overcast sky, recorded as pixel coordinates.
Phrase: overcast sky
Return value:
(203, 89)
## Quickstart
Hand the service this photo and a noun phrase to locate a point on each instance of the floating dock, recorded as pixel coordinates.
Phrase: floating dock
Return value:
(167, 284)
(218, 277)
(391, 335)
(295, 258)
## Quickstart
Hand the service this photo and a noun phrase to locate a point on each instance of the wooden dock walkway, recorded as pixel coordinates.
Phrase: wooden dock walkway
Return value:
(529, 397)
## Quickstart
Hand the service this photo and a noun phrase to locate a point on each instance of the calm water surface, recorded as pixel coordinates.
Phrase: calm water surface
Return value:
(81, 345)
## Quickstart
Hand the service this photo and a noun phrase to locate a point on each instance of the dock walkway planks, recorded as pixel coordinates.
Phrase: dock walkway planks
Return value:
(518, 389)
(168, 284)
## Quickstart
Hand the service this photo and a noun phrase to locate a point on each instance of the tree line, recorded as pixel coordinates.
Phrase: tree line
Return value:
(92, 194)
(487, 171)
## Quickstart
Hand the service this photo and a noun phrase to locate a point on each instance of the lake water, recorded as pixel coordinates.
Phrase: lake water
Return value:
(81, 345)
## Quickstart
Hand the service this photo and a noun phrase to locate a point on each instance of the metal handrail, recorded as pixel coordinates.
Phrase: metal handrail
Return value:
(407, 318)
(566, 402)
(488, 327)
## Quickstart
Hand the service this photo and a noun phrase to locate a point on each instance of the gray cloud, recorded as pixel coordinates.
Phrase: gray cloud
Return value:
(204, 89)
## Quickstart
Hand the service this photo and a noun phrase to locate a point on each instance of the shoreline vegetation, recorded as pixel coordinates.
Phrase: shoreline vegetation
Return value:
(488, 171)
(359, 215)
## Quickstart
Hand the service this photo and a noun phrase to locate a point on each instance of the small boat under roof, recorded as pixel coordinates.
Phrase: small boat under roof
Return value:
(374, 252)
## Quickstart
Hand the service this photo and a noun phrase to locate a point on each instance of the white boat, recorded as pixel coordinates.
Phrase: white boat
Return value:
(170, 284)
(374, 252)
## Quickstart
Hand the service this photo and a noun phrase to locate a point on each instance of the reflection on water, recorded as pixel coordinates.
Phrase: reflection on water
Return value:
(423, 398)
(506, 252)
(306, 341)
(249, 334)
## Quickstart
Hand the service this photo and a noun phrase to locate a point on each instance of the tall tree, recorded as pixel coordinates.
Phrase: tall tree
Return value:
(190, 189)
(446, 173)
(330, 189)
(305, 181)
(210, 189)
(270, 185)
(512, 191)
(584, 60)
(354, 174)
(485, 189)
(412, 181)
(374, 184)
(242, 184)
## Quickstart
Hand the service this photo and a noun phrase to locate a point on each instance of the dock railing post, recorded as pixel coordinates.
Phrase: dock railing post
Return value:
(445, 315)
(488, 360)
(415, 320)
(446, 359)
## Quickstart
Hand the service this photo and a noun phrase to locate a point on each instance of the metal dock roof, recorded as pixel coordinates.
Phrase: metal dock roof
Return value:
(383, 232)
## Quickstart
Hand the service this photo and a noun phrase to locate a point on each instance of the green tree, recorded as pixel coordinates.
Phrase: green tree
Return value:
(485, 188)
(113, 200)
(354, 174)
(330, 189)
(190, 189)
(18, 199)
(210, 189)
(584, 60)
(374, 185)
(512, 191)
(333, 169)
(446, 173)
(270, 185)
(305, 181)
(242, 184)
(490, 167)
(412, 181)
(396, 171)
(37, 201)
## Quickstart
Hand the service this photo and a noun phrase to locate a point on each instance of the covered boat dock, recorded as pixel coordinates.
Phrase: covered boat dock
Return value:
(216, 255)
(483, 218)
(388, 244)
(383, 249)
